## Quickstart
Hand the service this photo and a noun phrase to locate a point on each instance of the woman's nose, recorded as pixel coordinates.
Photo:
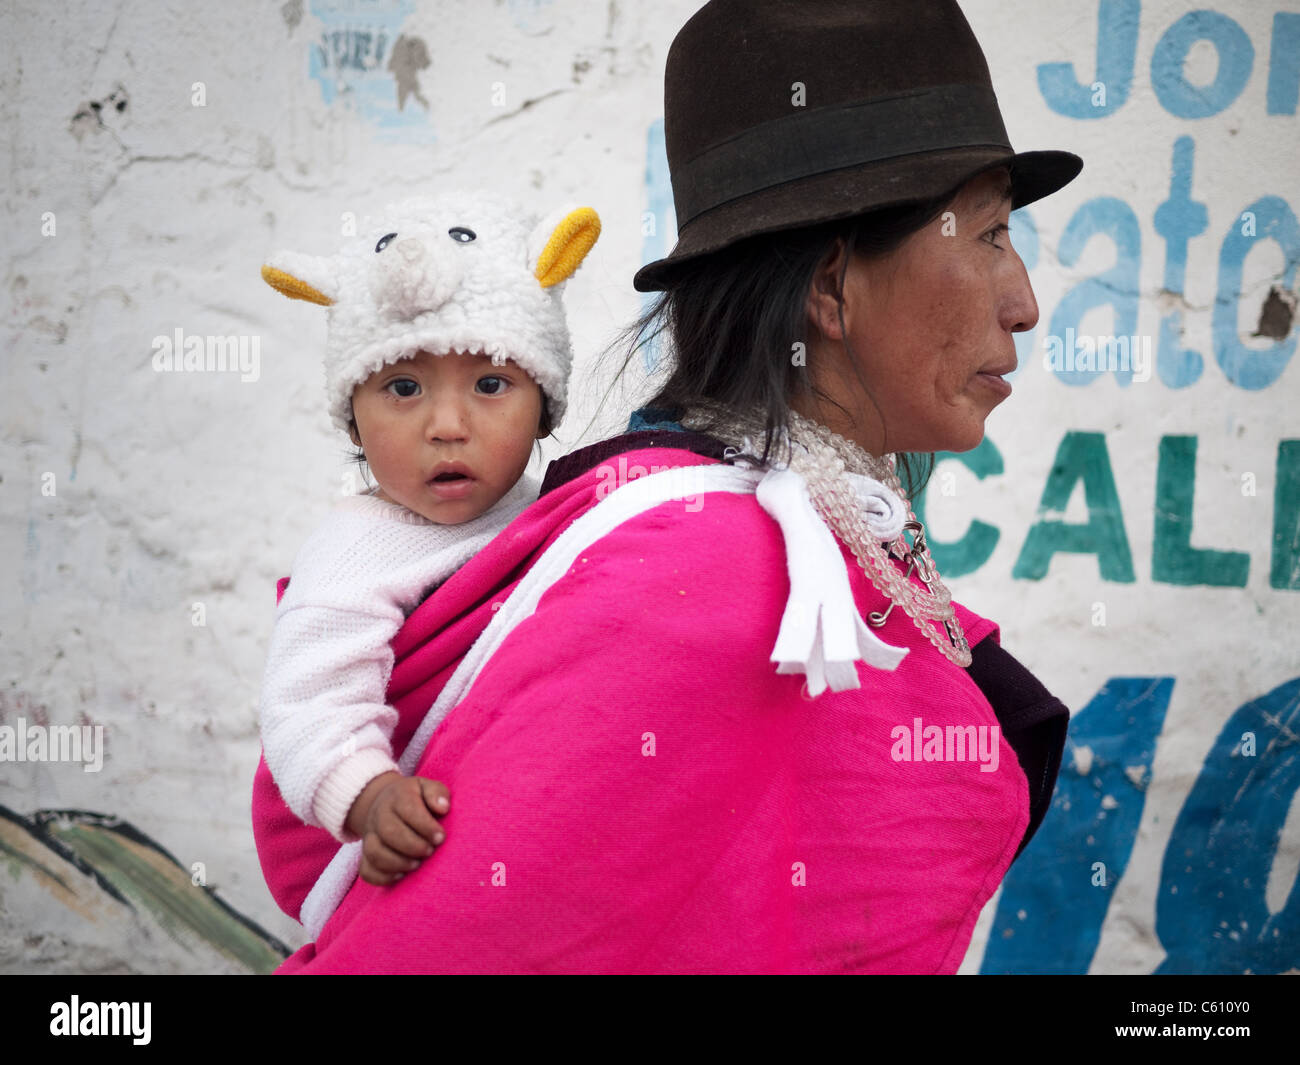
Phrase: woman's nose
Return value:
(1020, 308)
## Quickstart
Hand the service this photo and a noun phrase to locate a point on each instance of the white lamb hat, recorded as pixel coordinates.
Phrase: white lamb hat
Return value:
(462, 271)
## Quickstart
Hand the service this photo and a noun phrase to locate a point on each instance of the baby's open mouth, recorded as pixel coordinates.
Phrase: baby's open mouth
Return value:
(450, 477)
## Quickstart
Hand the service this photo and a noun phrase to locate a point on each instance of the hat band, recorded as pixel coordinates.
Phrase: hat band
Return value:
(816, 142)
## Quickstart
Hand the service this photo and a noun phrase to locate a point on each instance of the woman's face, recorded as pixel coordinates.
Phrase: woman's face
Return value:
(931, 326)
(416, 417)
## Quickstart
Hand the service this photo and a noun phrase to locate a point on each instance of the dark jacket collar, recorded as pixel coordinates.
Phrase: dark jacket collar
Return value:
(576, 463)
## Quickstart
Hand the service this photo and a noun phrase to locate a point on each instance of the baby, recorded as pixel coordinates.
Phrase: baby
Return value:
(447, 358)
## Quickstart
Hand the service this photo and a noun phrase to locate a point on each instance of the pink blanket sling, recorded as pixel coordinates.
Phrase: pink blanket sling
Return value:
(634, 788)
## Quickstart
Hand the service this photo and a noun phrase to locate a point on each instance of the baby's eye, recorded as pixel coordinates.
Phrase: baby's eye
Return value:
(384, 241)
(399, 387)
(494, 385)
(462, 235)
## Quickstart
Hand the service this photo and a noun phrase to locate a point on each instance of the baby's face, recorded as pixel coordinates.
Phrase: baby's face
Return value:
(447, 435)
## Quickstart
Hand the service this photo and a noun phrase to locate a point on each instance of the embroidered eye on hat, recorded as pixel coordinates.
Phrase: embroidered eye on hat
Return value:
(785, 113)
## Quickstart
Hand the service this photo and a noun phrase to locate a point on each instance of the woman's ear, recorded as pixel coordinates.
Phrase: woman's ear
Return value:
(824, 296)
(353, 435)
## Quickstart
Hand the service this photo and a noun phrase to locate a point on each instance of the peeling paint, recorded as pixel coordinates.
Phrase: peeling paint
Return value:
(89, 117)
(532, 17)
(1277, 314)
(366, 64)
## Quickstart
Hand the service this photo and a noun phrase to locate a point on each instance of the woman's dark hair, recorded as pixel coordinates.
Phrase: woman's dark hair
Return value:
(733, 318)
(357, 454)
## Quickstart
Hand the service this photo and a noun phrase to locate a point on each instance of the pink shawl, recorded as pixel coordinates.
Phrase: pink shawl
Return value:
(635, 789)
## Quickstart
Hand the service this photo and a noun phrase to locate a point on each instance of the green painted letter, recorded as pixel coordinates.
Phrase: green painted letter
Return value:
(1080, 456)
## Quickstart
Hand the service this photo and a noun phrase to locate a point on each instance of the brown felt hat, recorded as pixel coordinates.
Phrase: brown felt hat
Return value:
(897, 107)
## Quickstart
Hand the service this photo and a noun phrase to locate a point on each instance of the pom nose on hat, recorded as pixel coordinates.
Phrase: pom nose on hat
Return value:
(409, 249)
(410, 278)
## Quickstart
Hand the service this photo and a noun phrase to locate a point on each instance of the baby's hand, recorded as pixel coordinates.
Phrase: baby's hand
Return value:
(396, 818)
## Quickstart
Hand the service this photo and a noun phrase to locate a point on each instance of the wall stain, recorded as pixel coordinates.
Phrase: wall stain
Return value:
(410, 55)
(291, 12)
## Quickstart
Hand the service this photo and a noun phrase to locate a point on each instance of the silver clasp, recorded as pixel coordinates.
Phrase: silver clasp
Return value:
(918, 559)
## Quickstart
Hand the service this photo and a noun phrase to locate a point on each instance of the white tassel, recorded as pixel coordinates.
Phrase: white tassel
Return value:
(884, 510)
(822, 635)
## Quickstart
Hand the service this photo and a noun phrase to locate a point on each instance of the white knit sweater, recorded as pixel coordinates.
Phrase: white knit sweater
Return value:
(326, 728)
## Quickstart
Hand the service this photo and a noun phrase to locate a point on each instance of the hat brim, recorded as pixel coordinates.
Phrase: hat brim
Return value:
(854, 191)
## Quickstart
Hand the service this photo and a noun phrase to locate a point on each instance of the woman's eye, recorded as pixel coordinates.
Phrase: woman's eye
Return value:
(384, 241)
(494, 385)
(403, 387)
(996, 232)
(462, 235)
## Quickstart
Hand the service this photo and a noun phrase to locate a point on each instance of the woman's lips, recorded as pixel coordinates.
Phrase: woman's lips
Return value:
(994, 382)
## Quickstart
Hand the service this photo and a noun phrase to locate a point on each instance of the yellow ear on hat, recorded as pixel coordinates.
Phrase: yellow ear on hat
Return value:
(294, 288)
(567, 246)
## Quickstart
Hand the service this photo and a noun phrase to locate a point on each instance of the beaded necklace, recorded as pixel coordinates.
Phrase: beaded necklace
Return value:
(822, 457)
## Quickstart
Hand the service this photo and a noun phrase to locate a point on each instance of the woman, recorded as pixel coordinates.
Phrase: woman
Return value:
(635, 786)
